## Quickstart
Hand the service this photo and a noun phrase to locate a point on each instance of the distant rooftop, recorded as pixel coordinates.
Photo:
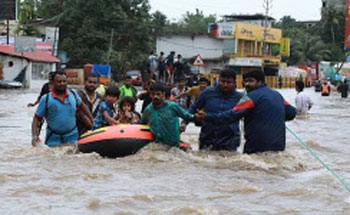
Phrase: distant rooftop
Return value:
(246, 17)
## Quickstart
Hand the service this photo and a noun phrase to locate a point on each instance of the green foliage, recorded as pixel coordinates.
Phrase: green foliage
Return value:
(27, 14)
(86, 31)
(192, 23)
(321, 42)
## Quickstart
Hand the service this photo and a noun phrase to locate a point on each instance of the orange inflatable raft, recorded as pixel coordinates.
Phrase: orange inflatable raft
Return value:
(118, 140)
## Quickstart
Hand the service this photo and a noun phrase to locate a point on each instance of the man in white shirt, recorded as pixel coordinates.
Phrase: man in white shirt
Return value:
(303, 102)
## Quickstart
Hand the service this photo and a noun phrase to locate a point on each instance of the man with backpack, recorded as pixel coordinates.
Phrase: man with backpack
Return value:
(59, 109)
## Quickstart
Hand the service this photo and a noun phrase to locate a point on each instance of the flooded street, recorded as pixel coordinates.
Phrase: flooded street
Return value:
(160, 181)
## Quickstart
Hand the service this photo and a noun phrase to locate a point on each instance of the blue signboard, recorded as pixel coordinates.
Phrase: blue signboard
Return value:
(101, 70)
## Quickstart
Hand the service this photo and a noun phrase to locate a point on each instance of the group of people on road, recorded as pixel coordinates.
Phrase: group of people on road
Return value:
(216, 109)
(167, 69)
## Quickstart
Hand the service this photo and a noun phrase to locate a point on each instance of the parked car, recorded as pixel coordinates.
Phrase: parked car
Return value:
(135, 76)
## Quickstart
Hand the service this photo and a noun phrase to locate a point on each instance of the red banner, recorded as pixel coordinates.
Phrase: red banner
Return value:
(347, 26)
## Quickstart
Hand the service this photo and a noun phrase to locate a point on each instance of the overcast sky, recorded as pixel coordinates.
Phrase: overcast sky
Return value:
(301, 10)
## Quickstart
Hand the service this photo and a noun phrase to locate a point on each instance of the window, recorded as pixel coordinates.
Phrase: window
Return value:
(10, 64)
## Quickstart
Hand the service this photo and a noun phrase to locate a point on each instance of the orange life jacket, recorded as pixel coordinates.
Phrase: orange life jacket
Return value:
(325, 89)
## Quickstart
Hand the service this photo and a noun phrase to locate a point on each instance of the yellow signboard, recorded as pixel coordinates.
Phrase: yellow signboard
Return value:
(257, 33)
(285, 47)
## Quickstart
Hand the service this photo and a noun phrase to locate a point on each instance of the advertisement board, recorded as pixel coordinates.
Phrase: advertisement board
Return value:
(347, 27)
(285, 47)
(25, 44)
(223, 30)
(75, 76)
(257, 33)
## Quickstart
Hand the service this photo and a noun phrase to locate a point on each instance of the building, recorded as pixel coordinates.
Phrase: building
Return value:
(309, 24)
(338, 4)
(257, 19)
(189, 46)
(240, 42)
(36, 63)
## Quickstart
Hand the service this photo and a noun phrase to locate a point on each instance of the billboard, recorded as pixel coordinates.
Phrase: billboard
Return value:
(347, 27)
(256, 33)
(224, 30)
(285, 47)
(8, 9)
(75, 76)
(25, 44)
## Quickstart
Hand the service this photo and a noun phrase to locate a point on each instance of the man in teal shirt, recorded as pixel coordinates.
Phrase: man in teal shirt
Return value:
(162, 116)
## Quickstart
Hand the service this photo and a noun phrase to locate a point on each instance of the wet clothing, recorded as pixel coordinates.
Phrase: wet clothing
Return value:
(164, 122)
(146, 98)
(302, 103)
(183, 101)
(93, 106)
(45, 89)
(60, 117)
(100, 120)
(127, 92)
(318, 87)
(265, 112)
(343, 89)
(218, 136)
(326, 89)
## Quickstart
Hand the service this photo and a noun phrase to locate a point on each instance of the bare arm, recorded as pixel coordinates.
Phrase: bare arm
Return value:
(36, 125)
(87, 117)
(109, 119)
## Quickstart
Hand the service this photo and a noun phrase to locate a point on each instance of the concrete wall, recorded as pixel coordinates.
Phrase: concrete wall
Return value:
(10, 72)
(188, 46)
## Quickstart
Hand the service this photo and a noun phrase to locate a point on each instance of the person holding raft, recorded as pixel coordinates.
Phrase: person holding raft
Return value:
(265, 112)
(162, 116)
(59, 108)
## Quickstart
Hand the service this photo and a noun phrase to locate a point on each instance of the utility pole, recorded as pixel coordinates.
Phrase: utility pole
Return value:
(110, 46)
(8, 31)
(267, 5)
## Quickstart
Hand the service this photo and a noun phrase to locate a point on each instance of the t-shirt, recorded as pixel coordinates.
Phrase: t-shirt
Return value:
(100, 120)
(60, 117)
(302, 103)
(164, 122)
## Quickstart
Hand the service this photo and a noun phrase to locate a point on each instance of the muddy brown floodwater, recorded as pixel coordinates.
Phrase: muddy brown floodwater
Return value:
(160, 181)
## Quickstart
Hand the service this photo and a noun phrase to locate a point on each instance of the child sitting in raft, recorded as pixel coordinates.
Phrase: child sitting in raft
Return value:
(127, 113)
(106, 112)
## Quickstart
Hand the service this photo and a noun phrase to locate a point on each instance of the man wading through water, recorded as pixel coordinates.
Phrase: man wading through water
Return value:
(58, 108)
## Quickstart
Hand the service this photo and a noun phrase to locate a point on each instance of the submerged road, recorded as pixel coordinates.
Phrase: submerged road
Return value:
(159, 181)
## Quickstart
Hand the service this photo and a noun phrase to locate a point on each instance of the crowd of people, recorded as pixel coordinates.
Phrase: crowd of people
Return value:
(70, 113)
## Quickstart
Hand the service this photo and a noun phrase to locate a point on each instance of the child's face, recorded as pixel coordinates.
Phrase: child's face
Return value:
(126, 107)
(128, 82)
(111, 99)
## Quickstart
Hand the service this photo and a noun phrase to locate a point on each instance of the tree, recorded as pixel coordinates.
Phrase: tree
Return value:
(86, 27)
(27, 13)
(332, 24)
(308, 48)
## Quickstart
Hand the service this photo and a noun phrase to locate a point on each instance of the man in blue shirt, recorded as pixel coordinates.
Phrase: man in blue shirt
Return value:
(215, 100)
(264, 111)
(59, 108)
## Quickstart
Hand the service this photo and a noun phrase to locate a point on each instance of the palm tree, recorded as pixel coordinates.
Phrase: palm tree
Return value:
(332, 23)
(309, 48)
